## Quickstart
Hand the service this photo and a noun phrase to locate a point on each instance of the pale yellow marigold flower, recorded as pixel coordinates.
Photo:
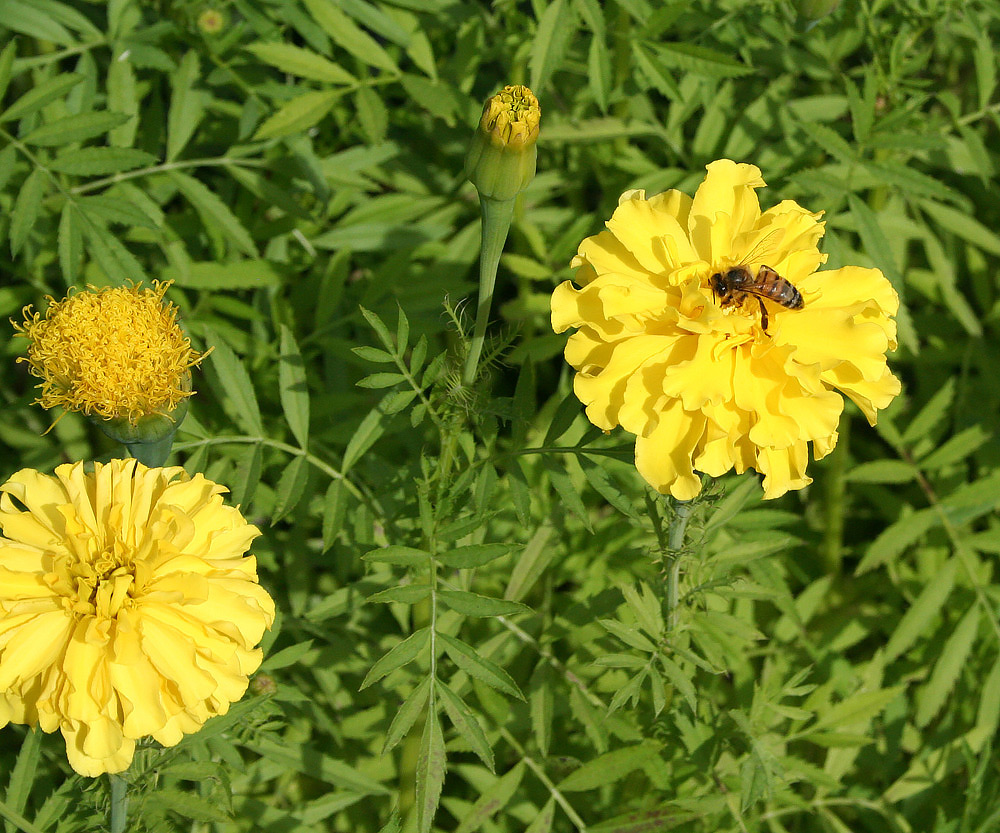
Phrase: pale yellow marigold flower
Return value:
(116, 353)
(127, 606)
(702, 385)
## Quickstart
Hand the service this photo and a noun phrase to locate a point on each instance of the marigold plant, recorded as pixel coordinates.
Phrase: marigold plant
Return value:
(710, 381)
(127, 606)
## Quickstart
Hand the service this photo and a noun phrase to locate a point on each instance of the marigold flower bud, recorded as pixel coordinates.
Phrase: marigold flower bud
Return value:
(501, 160)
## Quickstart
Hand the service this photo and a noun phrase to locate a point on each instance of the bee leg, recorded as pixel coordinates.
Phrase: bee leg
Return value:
(763, 315)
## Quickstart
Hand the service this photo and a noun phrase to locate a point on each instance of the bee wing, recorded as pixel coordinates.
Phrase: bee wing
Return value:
(762, 246)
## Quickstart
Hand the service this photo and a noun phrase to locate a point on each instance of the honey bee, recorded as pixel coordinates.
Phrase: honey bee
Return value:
(733, 286)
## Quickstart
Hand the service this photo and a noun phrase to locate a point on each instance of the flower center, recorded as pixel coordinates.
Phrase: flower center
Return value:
(100, 587)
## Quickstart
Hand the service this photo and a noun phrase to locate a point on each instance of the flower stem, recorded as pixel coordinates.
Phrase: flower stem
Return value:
(672, 557)
(152, 454)
(497, 216)
(119, 802)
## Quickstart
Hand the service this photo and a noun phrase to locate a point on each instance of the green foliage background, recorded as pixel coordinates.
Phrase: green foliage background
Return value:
(833, 663)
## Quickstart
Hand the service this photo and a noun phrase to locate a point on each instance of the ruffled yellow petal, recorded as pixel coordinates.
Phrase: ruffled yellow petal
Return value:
(699, 380)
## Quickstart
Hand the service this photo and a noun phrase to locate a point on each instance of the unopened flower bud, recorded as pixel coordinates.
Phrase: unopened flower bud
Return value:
(501, 160)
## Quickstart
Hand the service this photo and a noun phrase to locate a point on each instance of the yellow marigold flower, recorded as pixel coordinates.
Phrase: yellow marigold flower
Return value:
(699, 379)
(127, 606)
(502, 157)
(116, 353)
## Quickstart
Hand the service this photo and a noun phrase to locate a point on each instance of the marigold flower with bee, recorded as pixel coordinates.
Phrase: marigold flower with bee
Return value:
(712, 381)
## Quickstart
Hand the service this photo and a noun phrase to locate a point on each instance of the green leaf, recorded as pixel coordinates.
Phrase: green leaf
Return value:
(492, 800)
(291, 487)
(948, 667)
(379, 381)
(529, 566)
(654, 72)
(100, 161)
(316, 764)
(213, 211)
(473, 555)
(931, 414)
(405, 652)
(963, 225)
(70, 243)
(334, 508)
(349, 37)
(609, 767)
(7, 65)
(300, 62)
(472, 604)
(882, 471)
(297, 115)
(233, 274)
(405, 593)
(701, 60)
(35, 21)
(858, 707)
(294, 389)
(187, 105)
(398, 555)
(407, 714)
(923, 611)
(118, 263)
(956, 448)
(116, 210)
(186, 804)
(465, 723)
(895, 539)
(77, 128)
(37, 97)
(431, 765)
(542, 823)
(479, 667)
(556, 28)
(370, 429)
(236, 384)
(26, 209)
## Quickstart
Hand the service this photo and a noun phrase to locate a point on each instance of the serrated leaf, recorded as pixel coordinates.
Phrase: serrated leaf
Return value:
(75, 128)
(301, 62)
(334, 508)
(294, 389)
(40, 95)
(398, 555)
(956, 448)
(6, 65)
(472, 604)
(313, 763)
(405, 652)
(291, 486)
(924, 609)
(232, 274)
(556, 27)
(493, 800)
(346, 34)
(100, 161)
(70, 243)
(466, 723)
(895, 539)
(630, 636)
(187, 805)
(116, 210)
(380, 381)
(405, 593)
(118, 263)
(26, 209)
(701, 60)
(370, 429)
(654, 72)
(948, 667)
(882, 471)
(407, 714)
(473, 555)
(213, 211)
(237, 386)
(530, 564)
(931, 414)
(479, 667)
(609, 767)
(373, 354)
(963, 225)
(186, 104)
(431, 765)
(858, 707)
